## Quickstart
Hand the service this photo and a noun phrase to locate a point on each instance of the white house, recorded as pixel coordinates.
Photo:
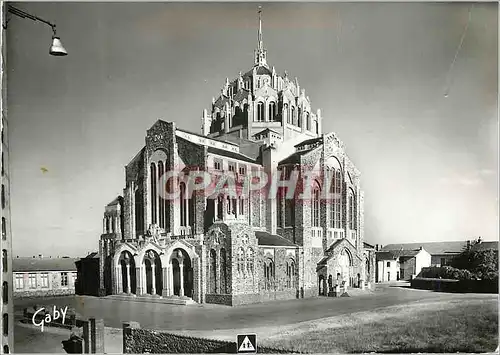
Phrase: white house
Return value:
(394, 265)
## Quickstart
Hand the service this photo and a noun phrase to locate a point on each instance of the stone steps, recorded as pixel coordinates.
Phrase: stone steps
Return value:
(153, 299)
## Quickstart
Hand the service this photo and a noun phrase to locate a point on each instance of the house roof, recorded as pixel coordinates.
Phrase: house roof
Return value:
(266, 238)
(43, 264)
(394, 254)
(433, 248)
(266, 130)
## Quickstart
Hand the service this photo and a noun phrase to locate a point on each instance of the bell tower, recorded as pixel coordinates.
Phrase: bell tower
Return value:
(260, 52)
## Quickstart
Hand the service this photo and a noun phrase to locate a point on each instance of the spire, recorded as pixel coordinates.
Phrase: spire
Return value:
(260, 52)
(260, 47)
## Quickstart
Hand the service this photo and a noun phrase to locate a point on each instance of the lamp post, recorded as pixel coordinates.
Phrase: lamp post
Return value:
(56, 49)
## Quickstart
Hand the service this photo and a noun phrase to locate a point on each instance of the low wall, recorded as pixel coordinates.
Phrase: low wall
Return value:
(44, 293)
(460, 286)
(140, 341)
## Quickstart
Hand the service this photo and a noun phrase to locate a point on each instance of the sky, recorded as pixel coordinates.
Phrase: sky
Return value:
(379, 72)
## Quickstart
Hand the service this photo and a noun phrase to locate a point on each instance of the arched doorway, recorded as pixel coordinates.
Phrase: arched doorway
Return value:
(321, 285)
(153, 273)
(127, 273)
(182, 273)
(345, 265)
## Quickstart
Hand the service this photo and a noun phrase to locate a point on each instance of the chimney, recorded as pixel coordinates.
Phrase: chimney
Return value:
(40, 256)
(376, 247)
(479, 240)
(468, 244)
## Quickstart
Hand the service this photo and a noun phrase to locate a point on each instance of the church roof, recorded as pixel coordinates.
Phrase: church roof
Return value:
(309, 141)
(115, 202)
(294, 158)
(229, 154)
(262, 70)
(247, 147)
(266, 238)
(485, 246)
(266, 130)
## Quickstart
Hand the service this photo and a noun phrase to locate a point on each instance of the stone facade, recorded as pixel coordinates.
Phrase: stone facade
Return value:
(238, 245)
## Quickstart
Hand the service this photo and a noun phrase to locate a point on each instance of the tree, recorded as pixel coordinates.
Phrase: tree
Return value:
(482, 263)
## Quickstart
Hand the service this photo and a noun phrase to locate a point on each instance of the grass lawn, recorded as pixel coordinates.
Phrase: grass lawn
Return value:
(455, 326)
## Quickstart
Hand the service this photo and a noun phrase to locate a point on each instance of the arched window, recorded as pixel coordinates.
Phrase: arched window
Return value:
(290, 274)
(161, 205)
(4, 229)
(241, 261)
(315, 205)
(152, 176)
(5, 324)
(183, 204)
(308, 121)
(317, 127)
(260, 112)
(250, 262)
(292, 113)
(352, 210)
(299, 118)
(5, 266)
(6, 349)
(3, 196)
(213, 271)
(272, 111)
(223, 271)
(268, 274)
(5, 292)
(336, 189)
(286, 114)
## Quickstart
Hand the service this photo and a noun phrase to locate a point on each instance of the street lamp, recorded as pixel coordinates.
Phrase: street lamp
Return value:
(56, 49)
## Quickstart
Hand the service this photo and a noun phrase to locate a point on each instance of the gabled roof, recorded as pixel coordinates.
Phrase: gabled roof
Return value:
(229, 154)
(294, 158)
(433, 248)
(394, 254)
(247, 147)
(262, 70)
(115, 202)
(308, 141)
(266, 238)
(368, 246)
(266, 130)
(24, 264)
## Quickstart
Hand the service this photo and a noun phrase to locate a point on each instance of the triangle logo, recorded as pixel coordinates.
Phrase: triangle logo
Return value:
(246, 346)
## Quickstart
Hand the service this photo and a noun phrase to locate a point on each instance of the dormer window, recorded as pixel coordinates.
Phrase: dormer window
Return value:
(242, 170)
(217, 165)
(232, 167)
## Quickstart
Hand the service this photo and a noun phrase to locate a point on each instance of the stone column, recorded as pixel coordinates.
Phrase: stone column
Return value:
(181, 271)
(119, 278)
(153, 278)
(128, 278)
(164, 272)
(138, 278)
(144, 279)
(104, 226)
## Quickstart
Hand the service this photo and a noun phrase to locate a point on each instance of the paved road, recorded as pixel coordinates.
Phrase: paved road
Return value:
(213, 317)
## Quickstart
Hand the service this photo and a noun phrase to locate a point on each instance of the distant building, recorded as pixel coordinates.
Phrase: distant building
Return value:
(39, 276)
(395, 265)
(442, 253)
(87, 280)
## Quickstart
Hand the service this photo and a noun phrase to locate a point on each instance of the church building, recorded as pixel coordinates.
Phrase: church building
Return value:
(257, 245)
